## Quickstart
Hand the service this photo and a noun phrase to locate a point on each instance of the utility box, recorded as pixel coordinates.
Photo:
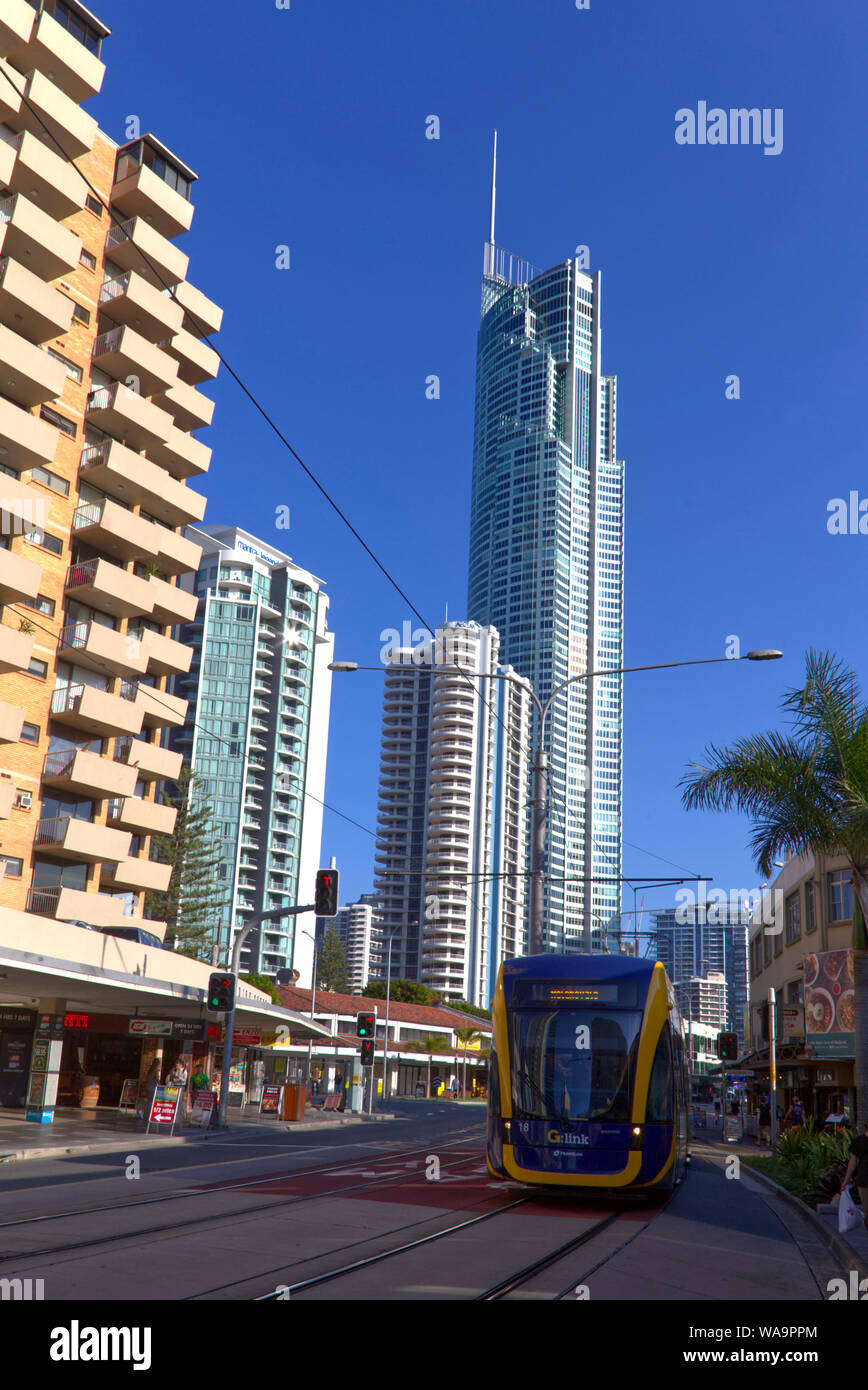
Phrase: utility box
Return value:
(294, 1098)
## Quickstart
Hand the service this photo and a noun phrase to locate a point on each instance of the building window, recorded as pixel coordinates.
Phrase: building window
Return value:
(47, 542)
(79, 312)
(839, 887)
(767, 949)
(793, 914)
(41, 604)
(72, 370)
(88, 260)
(48, 479)
(60, 422)
(38, 668)
(810, 908)
(14, 867)
(93, 204)
(29, 733)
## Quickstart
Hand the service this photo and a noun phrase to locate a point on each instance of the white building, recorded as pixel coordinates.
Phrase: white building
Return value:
(357, 929)
(703, 1000)
(452, 850)
(257, 732)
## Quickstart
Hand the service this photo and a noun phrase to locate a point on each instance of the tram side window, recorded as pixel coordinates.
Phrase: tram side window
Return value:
(493, 1082)
(659, 1106)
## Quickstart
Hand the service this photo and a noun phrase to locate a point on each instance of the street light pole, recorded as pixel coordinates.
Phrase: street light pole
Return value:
(386, 1032)
(312, 1007)
(229, 1034)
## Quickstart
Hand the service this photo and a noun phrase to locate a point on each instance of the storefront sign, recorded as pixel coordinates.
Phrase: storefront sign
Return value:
(203, 1108)
(151, 1027)
(192, 1028)
(17, 1018)
(247, 1037)
(270, 1102)
(50, 1025)
(129, 1094)
(792, 1023)
(76, 1020)
(830, 1004)
(164, 1106)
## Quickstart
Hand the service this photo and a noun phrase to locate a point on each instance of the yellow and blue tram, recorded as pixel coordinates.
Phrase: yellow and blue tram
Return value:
(588, 1083)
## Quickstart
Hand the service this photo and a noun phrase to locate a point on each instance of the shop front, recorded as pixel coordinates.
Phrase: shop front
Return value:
(16, 1044)
(102, 1051)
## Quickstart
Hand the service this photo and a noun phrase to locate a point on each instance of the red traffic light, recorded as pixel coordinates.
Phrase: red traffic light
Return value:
(727, 1046)
(326, 896)
(367, 1051)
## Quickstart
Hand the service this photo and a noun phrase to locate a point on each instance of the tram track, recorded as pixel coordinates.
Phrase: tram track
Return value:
(7, 1257)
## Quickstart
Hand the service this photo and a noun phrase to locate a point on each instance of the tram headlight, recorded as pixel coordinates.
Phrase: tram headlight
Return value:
(636, 1137)
(507, 1131)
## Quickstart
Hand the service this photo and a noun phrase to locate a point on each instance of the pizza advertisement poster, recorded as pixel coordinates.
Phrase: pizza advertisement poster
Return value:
(829, 1003)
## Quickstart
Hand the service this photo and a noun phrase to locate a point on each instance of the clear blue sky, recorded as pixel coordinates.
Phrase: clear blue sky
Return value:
(307, 128)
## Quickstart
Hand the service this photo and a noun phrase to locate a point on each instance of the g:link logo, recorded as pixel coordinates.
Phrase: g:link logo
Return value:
(554, 1136)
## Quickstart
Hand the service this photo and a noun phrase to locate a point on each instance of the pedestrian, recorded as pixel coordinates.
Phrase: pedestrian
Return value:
(198, 1082)
(717, 1107)
(857, 1169)
(765, 1123)
(455, 1088)
(795, 1116)
(733, 1106)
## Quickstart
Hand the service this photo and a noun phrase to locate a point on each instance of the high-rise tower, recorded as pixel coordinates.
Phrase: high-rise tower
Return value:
(546, 558)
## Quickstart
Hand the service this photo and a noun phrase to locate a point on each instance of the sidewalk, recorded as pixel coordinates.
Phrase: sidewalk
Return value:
(101, 1131)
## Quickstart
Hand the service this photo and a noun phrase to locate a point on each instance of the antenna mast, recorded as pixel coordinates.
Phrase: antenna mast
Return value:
(493, 191)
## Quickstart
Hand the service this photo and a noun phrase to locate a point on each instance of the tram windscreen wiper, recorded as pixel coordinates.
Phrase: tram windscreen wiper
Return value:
(549, 1111)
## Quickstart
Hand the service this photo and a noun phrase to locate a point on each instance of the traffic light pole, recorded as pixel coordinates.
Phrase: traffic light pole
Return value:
(229, 1035)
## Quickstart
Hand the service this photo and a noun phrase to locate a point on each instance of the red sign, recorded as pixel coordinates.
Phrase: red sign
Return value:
(164, 1107)
(76, 1020)
(248, 1037)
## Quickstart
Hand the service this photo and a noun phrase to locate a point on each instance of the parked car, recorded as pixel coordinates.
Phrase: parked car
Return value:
(144, 938)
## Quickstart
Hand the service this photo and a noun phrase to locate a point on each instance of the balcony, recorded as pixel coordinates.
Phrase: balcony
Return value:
(67, 838)
(124, 474)
(17, 22)
(201, 315)
(30, 236)
(30, 307)
(175, 553)
(151, 762)
(16, 649)
(171, 604)
(128, 417)
(108, 526)
(19, 578)
(77, 770)
(53, 50)
(197, 362)
(11, 720)
(137, 874)
(72, 905)
(130, 243)
(108, 588)
(25, 441)
(123, 352)
(142, 817)
(180, 453)
(129, 299)
(27, 374)
(102, 648)
(165, 656)
(21, 507)
(160, 710)
(187, 406)
(95, 711)
(44, 102)
(139, 192)
(29, 167)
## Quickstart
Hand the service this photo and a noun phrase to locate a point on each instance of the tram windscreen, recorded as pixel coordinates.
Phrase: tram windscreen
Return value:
(574, 1064)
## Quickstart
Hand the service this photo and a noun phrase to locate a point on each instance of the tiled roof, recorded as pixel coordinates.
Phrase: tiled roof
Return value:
(432, 1015)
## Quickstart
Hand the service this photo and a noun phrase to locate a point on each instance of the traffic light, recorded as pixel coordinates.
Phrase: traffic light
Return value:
(764, 1022)
(367, 1050)
(221, 993)
(326, 898)
(727, 1047)
(365, 1025)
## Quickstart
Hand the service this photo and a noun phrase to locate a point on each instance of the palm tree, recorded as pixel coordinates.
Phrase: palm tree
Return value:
(466, 1036)
(432, 1043)
(806, 791)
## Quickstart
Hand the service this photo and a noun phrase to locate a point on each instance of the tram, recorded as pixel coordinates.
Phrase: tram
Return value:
(588, 1082)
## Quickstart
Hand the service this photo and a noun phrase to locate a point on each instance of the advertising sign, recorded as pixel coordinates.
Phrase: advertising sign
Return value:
(17, 1018)
(129, 1094)
(203, 1108)
(151, 1027)
(270, 1101)
(792, 1023)
(830, 1003)
(247, 1037)
(164, 1106)
(193, 1028)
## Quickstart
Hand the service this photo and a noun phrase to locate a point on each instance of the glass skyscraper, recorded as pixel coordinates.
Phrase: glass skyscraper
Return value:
(697, 942)
(546, 560)
(256, 733)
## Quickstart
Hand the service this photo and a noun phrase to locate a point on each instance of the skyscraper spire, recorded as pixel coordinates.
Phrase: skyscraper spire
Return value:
(493, 190)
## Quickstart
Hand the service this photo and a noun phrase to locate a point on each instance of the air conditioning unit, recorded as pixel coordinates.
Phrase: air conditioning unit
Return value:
(24, 801)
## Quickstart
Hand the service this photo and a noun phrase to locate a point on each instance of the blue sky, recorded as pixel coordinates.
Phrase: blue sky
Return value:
(307, 128)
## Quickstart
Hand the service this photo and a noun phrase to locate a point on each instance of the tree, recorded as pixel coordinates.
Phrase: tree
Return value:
(193, 905)
(262, 982)
(463, 1007)
(332, 970)
(402, 991)
(806, 791)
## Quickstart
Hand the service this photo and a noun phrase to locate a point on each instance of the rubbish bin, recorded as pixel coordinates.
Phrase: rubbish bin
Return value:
(294, 1098)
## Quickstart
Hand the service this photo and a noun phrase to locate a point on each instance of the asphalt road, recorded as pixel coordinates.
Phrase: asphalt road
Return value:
(398, 1210)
